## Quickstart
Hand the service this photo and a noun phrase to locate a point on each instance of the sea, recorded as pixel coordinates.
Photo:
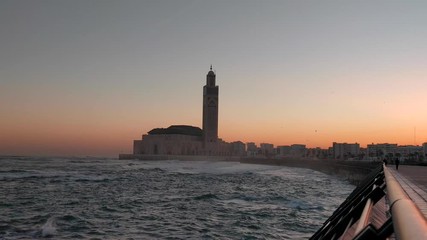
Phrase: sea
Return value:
(102, 198)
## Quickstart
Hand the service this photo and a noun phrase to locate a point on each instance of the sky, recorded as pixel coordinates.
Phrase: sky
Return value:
(88, 77)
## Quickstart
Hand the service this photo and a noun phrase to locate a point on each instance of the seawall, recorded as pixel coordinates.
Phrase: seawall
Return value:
(352, 171)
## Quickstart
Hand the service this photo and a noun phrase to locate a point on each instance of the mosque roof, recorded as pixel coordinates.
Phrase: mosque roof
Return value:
(177, 129)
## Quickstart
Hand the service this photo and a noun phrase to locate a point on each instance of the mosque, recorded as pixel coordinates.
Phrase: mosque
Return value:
(190, 140)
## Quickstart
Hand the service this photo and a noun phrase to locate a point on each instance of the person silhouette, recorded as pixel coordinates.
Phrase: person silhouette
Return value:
(396, 161)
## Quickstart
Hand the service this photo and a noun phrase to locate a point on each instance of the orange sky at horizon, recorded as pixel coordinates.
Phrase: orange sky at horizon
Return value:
(62, 127)
(109, 139)
(112, 143)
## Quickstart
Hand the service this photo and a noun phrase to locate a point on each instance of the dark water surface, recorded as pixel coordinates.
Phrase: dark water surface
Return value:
(75, 198)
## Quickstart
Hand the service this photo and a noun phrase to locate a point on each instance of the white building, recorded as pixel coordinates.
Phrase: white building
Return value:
(267, 149)
(284, 150)
(251, 149)
(190, 140)
(425, 149)
(345, 150)
(381, 150)
(406, 150)
(238, 148)
(298, 150)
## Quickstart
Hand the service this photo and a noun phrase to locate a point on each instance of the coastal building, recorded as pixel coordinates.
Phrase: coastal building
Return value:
(267, 149)
(190, 140)
(425, 149)
(210, 115)
(406, 150)
(345, 150)
(283, 150)
(298, 150)
(316, 153)
(377, 151)
(238, 148)
(251, 149)
(363, 153)
(174, 140)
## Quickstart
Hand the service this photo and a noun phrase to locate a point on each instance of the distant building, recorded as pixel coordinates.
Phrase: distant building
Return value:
(298, 150)
(210, 115)
(284, 150)
(189, 140)
(316, 153)
(425, 149)
(363, 153)
(174, 140)
(267, 149)
(381, 150)
(251, 149)
(238, 148)
(405, 150)
(345, 150)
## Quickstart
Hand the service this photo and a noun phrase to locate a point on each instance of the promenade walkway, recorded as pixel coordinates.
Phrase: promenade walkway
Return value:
(413, 180)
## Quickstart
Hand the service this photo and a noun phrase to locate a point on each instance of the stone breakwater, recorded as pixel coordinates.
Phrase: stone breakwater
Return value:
(352, 171)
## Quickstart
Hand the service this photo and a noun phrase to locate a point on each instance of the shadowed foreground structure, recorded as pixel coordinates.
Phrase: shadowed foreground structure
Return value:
(385, 204)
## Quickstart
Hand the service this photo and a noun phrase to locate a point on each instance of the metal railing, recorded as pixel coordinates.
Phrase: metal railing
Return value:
(368, 192)
(408, 221)
(352, 219)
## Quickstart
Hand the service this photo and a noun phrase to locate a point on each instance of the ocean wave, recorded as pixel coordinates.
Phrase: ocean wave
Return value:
(206, 196)
(13, 171)
(69, 199)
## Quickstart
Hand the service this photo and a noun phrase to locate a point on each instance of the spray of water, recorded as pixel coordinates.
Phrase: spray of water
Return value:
(49, 229)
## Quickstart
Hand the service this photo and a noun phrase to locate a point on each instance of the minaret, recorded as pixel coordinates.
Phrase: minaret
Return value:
(210, 114)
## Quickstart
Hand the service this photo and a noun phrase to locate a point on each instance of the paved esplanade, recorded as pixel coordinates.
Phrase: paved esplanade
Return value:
(413, 180)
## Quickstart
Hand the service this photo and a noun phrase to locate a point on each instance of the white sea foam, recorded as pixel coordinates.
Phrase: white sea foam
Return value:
(197, 167)
(49, 229)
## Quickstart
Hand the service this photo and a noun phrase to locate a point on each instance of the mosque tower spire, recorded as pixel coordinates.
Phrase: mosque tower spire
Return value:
(210, 114)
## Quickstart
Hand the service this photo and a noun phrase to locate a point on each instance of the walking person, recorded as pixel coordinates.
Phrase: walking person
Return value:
(396, 161)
